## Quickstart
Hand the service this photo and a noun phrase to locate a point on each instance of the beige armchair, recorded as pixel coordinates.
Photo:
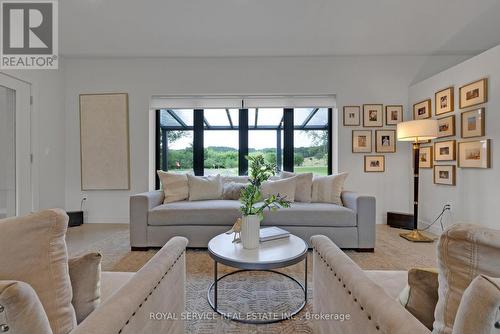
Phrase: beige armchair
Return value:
(469, 298)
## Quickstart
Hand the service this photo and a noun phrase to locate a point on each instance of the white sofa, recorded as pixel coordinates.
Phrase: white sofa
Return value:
(152, 223)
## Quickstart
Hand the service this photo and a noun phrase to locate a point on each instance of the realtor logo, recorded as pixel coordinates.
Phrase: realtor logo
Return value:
(29, 34)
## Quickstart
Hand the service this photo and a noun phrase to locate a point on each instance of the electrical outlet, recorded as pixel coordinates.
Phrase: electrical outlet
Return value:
(450, 205)
(84, 197)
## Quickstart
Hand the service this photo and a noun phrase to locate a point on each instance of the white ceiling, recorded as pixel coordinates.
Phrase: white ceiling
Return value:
(205, 28)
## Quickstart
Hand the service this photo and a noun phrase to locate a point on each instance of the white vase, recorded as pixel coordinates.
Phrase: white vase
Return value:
(250, 231)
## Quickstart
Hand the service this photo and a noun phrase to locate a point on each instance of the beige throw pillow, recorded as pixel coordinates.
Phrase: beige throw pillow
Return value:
(464, 252)
(328, 189)
(175, 186)
(85, 275)
(33, 250)
(285, 188)
(232, 190)
(303, 186)
(204, 187)
(421, 294)
(22, 310)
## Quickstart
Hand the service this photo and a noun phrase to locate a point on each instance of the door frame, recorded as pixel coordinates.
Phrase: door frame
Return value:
(23, 144)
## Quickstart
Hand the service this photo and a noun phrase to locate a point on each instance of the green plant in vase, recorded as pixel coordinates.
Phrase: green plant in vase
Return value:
(252, 202)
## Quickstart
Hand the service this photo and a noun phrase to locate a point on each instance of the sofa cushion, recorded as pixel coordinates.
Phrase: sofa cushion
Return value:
(210, 212)
(204, 187)
(420, 296)
(303, 185)
(85, 275)
(22, 310)
(328, 189)
(284, 188)
(175, 186)
(311, 214)
(464, 252)
(34, 251)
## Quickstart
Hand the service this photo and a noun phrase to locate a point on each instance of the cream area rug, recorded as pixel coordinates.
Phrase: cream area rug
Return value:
(260, 292)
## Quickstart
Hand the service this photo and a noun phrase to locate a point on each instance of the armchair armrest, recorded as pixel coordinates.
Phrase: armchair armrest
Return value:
(20, 309)
(155, 290)
(140, 205)
(365, 209)
(342, 288)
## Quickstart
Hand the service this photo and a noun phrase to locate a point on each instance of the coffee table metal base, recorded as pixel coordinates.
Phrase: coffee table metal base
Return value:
(285, 316)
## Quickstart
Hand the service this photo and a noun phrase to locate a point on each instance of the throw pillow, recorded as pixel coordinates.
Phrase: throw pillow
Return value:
(328, 189)
(175, 186)
(421, 294)
(204, 187)
(464, 252)
(232, 190)
(85, 275)
(303, 186)
(34, 251)
(285, 188)
(478, 310)
(23, 311)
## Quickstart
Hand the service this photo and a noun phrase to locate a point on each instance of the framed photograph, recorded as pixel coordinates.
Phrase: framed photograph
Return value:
(422, 110)
(444, 174)
(472, 123)
(425, 159)
(444, 101)
(361, 141)
(352, 115)
(474, 154)
(446, 126)
(374, 163)
(373, 115)
(393, 114)
(385, 141)
(474, 93)
(445, 150)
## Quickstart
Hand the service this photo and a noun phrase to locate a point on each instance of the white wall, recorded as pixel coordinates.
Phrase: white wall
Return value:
(355, 80)
(48, 134)
(476, 196)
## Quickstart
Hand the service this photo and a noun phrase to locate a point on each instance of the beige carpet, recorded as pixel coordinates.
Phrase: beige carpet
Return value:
(391, 253)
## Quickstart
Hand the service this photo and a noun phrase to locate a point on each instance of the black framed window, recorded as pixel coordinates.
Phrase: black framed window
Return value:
(216, 141)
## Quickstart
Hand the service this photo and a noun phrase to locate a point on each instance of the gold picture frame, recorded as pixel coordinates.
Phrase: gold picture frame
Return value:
(445, 175)
(445, 150)
(422, 109)
(444, 101)
(373, 115)
(352, 115)
(446, 126)
(385, 141)
(474, 93)
(374, 163)
(426, 157)
(361, 141)
(393, 114)
(474, 154)
(472, 123)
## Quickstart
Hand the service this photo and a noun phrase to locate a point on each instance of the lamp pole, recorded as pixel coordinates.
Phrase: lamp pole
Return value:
(415, 235)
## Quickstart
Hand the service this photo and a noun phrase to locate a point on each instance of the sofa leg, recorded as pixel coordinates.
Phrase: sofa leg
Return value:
(365, 250)
(139, 249)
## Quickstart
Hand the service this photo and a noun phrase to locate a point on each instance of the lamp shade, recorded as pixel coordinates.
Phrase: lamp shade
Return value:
(418, 130)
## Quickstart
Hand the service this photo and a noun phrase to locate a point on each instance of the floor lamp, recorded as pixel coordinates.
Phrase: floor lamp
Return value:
(416, 131)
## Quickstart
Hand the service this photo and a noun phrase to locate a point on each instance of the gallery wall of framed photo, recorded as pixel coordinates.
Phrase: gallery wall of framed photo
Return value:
(465, 147)
(375, 132)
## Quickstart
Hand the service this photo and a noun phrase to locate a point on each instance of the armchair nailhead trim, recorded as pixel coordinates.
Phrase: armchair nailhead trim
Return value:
(350, 292)
(1, 308)
(4, 328)
(150, 292)
(497, 324)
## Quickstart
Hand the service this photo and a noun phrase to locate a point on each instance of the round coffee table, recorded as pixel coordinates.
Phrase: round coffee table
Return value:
(270, 255)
